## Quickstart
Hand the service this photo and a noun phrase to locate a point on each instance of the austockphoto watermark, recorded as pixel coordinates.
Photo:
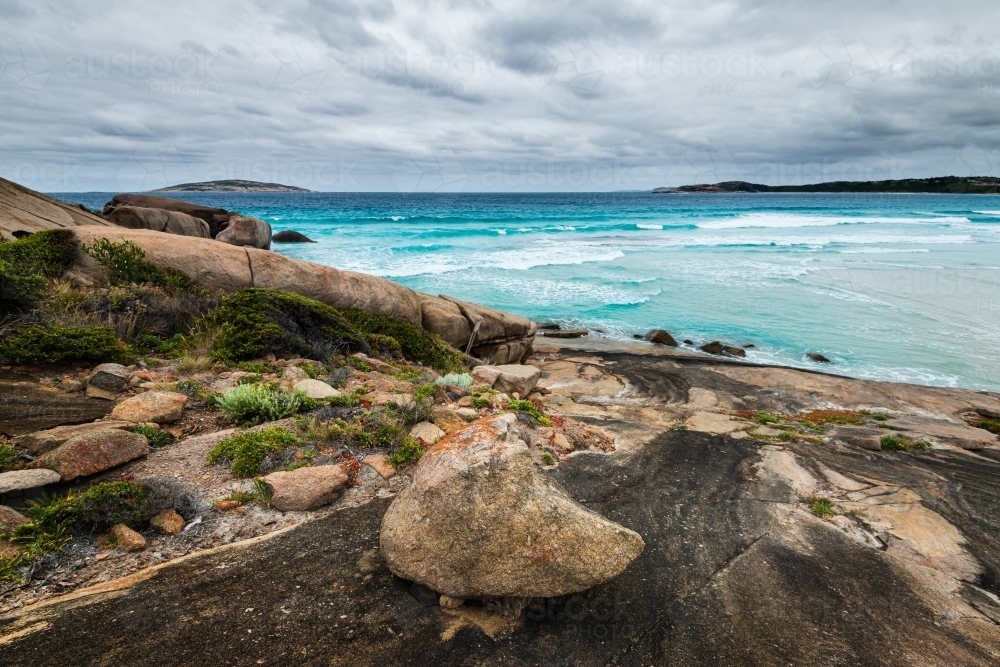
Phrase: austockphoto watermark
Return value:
(338, 173)
(61, 176)
(406, 64)
(952, 63)
(137, 65)
(595, 175)
(806, 173)
(691, 65)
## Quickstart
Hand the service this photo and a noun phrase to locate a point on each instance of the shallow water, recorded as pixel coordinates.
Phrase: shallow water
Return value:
(890, 287)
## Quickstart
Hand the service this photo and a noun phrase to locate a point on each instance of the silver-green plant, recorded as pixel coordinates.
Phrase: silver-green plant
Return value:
(250, 404)
(463, 380)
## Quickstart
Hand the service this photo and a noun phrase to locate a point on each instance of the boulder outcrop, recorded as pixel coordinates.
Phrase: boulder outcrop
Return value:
(480, 520)
(24, 211)
(107, 381)
(660, 337)
(42, 442)
(290, 236)
(306, 489)
(215, 218)
(509, 378)
(242, 230)
(159, 220)
(160, 407)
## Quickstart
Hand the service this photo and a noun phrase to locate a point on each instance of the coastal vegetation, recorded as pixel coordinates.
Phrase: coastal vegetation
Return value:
(252, 404)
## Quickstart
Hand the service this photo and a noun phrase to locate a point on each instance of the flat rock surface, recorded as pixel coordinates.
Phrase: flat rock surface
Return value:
(18, 480)
(41, 442)
(27, 406)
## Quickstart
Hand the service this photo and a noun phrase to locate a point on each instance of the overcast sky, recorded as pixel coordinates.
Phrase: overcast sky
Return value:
(478, 95)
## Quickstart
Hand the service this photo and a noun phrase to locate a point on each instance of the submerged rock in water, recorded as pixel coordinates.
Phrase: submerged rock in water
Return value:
(290, 236)
(816, 356)
(480, 520)
(715, 347)
(571, 333)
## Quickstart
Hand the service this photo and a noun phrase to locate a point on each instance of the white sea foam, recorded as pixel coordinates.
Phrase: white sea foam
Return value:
(791, 220)
(502, 232)
(882, 251)
(648, 225)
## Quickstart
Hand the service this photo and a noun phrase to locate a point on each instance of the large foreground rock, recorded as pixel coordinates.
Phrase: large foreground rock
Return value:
(26, 407)
(306, 489)
(160, 407)
(215, 218)
(481, 521)
(24, 211)
(93, 452)
(159, 220)
(22, 480)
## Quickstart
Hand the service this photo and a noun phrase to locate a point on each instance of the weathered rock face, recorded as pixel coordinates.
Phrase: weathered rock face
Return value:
(306, 489)
(481, 521)
(509, 378)
(30, 406)
(160, 407)
(214, 217)
(24, 211)
(289, 236)
(243, 230)
(107, 381)
(159, 220)
(40, 442)
(92, 453)
(427, 432)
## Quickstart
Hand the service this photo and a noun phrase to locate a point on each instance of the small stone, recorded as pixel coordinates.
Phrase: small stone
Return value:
(380, 464)
(168, 521)
(468, 414)
(161, 407)
(316, 389)
(465, 402)
(305, 489)
(71, 384)
(449, 602)
(226, 505)
(447, 420)
(734, 351)
(21, 480)
(219, 368)
(294, 374)
(715, 347)
(11, 519)
(387, 398)
(128, 539)
(427, 432)
(107, 381)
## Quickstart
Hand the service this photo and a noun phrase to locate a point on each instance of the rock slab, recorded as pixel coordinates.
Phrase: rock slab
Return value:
(127, 539)
(508, 378)
(427, 432)
(107, 381)
(158, 407)
(315, 389)
(306, 489)
(20, 480)
(481, 521)
(92, 453)
(42, 442)
(11, 519)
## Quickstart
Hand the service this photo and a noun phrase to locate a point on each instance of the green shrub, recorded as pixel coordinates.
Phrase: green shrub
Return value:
(548, 458)
(26, 264)
(531, 410)
(251, 367)
(247, 451)
(415, 344)
(250, 404)
(463, 380)
(821, 507)
(762, 417)
(892, 443)
(125, 264)
(8, 458)
(51, 344)
(156, 437)
(991, 425)
(255, 321)
(259, 495)
(408, 451)
(347, 399)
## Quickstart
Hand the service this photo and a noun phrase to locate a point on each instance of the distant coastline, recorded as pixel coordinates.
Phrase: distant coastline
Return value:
(231, 186)
(937, 185)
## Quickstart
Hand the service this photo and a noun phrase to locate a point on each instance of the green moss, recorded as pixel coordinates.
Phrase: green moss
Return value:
(425, 393)
(347, 399)
(762, 417)
(480, 402)
(27, 264)
(359, 364)
(893, 443)
(548, 458)
(250, 404)
(531, 410)
(253, 378)
(247, 451)
(409, 451)
(125, 264)
(251, 367)
(157, 437)
(991, 425)
(51, 344)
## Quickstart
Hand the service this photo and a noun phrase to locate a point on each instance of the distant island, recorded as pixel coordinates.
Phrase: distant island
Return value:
(231, 186)
(940, 184)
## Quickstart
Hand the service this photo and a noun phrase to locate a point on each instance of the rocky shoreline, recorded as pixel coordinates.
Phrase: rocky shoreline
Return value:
(251, 460)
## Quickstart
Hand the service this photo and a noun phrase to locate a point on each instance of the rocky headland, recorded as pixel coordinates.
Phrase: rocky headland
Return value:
(213, 454)
(232, 185)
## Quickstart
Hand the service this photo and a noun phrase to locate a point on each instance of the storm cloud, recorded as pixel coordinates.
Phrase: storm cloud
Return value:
(489, 96)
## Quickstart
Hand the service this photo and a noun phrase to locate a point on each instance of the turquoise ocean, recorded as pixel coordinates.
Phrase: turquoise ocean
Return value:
(889, 287)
